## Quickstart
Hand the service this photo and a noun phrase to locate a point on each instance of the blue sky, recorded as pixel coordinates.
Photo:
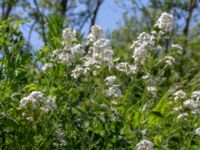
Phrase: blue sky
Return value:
(109, 17)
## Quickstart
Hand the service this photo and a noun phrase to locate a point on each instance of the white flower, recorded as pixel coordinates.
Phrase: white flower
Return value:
(24, 101)
(179, 95)
(50, 104)
(96, 33)
(38, 95)
(196, 112)
(110, 80)
(152, 90)
(165, 22)
(144, 39)
(29, 100)
(33, 98)
(190, 104)
(145, 145)
(30, 118)
(69, 34)
(89, 61)
(149, 78)
(169, 60)
(70, 50)
(99, 51)
(140, 47)
(113, 91)
(56, 52)
(177, 108)
(101, 116)
(126, 68)
(182, 115)
(140, 54)
(77, 71)
(178, 48)
(65, 58)
(197, 132)
(46, 66)
(77, 49)
(196, 95)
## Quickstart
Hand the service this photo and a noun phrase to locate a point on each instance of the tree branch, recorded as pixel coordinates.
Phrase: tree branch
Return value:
(93, 20)
(192, 6)
(64, 7)
(6, 11)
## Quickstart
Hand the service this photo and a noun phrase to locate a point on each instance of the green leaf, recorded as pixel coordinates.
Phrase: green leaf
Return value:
(158, 114)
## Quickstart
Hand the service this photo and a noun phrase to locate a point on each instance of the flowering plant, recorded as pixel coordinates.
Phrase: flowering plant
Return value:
(78, 93)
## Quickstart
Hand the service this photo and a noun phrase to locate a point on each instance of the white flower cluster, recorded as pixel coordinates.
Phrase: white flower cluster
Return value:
(34, 98)
(46, 66)
(69, 51)
(140, 47)
(180, 94)
(182, 115)
(178, 48)
(152, 90)
(145, 145)
(146, 42)
(196, 95)
(110, 80)
(149, 79)
(197, 132)
(165, 22)
(37, 99)
(113, 89)
(68, 35)
(126, 68)
(100, 48)
(150, 84)
(99, 52)
(169, 60)
(96, 33)
(59, 137)
(177, 108)
(76, 73)
(192, 104)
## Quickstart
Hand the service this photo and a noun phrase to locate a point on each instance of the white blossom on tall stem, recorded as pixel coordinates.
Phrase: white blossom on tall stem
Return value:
(140, 47)
(113, 89)
(96, 33)
(165, 22)
(100, 49)
(70, 49)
